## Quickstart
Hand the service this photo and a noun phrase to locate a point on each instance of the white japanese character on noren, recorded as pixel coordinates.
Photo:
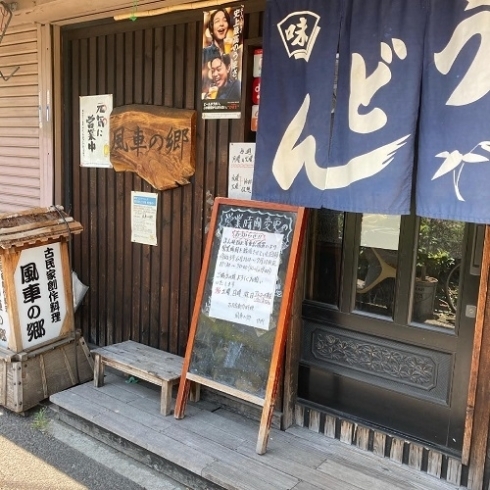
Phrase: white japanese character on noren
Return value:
(472, 86)
(475, 84)
(291, 156)
(364, 87)
(299, 31)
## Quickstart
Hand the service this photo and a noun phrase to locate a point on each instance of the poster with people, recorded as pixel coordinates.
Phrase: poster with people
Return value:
(222, 54)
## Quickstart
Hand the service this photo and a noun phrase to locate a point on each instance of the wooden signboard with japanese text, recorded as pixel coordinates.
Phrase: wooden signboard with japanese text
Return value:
(36, 301)
(239, 325)
(158, 143)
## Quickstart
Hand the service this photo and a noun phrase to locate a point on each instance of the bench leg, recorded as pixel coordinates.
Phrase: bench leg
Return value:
(195, 392)
(98, 371)
(166, 399)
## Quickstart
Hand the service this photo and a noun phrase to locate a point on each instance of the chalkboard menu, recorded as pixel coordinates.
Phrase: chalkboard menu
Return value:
(243, 302)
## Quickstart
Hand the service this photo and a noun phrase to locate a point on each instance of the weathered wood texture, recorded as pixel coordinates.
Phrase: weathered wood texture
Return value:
(476, 441)
(142, 361)
(219, 446)
(292, 353)
(36, 226)
(28, 378)
(73, 11)
(399, 451)
(157, 143)
(140, 292)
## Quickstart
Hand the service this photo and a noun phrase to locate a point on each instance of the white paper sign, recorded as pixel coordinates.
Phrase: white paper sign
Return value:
(95, 112)
(40, 292)
(244, 282)
(144, 217)
(241, 170)
(4, 317)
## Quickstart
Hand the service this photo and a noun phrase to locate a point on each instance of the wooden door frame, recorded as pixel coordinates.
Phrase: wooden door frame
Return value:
(45, 115)
(478, 406)
(57, 114)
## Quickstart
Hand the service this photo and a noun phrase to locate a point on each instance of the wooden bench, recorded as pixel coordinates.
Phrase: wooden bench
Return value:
(139, 360)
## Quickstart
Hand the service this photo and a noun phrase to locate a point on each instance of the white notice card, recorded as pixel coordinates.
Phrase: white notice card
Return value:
(241, 170)
(245, 276)
(144, 217)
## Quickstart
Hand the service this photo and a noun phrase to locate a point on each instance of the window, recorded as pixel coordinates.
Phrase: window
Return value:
(325, 256)
(385, 268)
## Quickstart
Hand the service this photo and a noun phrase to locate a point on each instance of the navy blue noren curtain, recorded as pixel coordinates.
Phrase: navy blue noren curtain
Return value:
(412, 89)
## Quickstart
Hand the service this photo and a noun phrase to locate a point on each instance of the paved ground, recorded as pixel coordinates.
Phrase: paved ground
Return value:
(38, 452)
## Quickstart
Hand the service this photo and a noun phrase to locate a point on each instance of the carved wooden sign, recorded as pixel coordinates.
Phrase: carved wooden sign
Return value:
(158, 143)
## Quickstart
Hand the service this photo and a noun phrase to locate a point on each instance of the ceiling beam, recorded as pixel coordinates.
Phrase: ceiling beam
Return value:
(62, 12)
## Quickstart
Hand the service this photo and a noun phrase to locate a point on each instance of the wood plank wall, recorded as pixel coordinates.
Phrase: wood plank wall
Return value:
(19, 120)
(141, 292)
